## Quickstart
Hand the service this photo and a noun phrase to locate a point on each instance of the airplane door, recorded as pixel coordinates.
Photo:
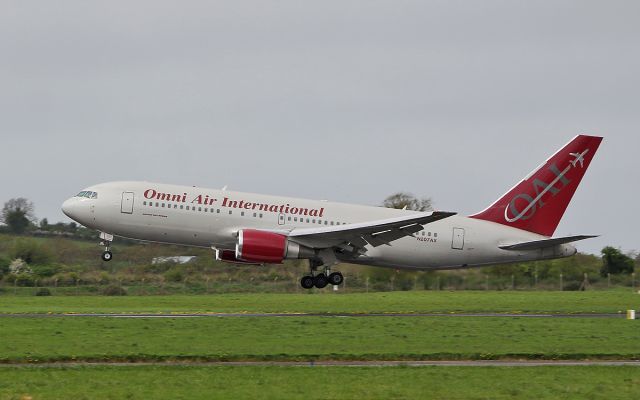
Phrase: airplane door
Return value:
(281, 219)
(126, 207)
(457, 241)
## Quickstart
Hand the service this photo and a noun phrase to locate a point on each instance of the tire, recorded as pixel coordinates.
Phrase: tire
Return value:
(107, 256)
(320, 281)
(306, 282)
(336, 278)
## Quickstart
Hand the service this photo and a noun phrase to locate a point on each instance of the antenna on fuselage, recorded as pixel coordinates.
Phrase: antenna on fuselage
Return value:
(224, 188)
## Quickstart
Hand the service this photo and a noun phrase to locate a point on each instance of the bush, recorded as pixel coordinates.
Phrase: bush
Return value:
(572, 285)
(43, 292)
(45, 270)
(114, 290)
(4, 265)
(31, 252)
(21, 279)
(175, 274)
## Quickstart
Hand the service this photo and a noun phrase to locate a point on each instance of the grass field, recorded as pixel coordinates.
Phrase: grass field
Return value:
(173, 382)
(322, 338)
(295, 338)
(327, 302)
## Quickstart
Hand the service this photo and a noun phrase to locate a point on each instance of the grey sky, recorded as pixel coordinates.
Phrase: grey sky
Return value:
(344, 100)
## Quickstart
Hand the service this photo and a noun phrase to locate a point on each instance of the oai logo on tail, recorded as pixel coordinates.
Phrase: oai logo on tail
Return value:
(541, 188)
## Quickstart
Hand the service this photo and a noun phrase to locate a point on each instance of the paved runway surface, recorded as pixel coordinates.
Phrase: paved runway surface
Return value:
(460, 363)
(354, 315)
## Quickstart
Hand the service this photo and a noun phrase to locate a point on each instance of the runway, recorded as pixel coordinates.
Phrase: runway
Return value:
(300, 315)
(374, 363)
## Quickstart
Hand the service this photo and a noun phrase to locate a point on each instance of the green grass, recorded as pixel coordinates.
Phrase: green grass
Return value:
(327, 302)
(172, 382)
(308, 338)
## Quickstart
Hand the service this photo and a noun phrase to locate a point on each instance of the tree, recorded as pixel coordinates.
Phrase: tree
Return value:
(615, 262)
(17, 214)
(407, 200)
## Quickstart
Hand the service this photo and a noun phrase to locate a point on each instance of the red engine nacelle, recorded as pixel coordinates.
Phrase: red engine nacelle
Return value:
(230, 257)
(268, 247)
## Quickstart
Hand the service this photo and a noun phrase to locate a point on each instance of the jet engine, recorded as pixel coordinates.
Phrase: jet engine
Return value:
(255, 246)
(230, 257)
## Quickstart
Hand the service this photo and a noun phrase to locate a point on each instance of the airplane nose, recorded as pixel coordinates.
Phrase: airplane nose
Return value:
(70, 208)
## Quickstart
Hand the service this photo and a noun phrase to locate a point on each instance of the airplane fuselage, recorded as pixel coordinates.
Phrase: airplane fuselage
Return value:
(211, 218)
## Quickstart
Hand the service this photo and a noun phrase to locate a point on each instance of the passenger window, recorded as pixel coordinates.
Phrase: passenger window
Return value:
(157, 205)
(331, 222)
(162, 205)
(326, 222)
(255, 215)
(199, 208)
(144, 203)
(218, 211)
(242, 213)
(206, 210)
(175, 206)
(295, 219)
(230, 212)
(435, 234)
(289, 219)
(181, 207)
(260, 215)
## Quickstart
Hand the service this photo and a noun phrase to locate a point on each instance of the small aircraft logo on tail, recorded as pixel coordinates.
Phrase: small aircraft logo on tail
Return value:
(578, 158)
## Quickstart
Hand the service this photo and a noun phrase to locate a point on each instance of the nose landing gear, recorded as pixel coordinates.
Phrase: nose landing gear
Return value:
(107, 238)
(107, 255)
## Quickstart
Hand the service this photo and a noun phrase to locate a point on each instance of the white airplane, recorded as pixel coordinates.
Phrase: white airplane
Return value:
(252, 228)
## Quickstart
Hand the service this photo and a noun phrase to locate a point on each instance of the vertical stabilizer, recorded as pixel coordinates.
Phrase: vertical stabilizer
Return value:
(537, 203)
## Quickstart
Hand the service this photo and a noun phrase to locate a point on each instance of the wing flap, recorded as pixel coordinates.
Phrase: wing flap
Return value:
(544, 243)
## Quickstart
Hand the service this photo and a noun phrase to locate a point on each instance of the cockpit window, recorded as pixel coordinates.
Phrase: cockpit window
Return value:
(88, 194)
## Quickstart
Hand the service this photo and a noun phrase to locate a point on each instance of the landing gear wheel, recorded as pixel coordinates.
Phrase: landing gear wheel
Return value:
(320, 281)
(306, 282)
(107, 256)
(336, 278)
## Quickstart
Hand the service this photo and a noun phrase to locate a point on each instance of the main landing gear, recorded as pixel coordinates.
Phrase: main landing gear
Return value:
(320, 280)
(107, 238)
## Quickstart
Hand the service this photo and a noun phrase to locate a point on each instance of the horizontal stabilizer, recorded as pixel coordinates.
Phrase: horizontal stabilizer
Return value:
(541, 244)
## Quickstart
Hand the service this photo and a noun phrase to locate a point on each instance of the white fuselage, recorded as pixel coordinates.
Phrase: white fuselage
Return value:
(211, 218)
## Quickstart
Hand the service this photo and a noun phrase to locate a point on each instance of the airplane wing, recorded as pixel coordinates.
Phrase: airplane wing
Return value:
(354, 237)
(541, 244)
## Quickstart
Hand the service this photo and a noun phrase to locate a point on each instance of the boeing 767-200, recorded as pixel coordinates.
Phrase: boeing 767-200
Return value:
(252, 228)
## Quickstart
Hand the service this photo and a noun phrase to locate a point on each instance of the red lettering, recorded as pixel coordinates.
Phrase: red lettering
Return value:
(149, 194)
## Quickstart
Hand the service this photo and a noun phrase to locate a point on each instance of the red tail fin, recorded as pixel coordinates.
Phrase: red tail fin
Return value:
(537, 203)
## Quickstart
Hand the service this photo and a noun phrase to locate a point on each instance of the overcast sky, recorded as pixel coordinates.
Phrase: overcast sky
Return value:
(342, 100)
